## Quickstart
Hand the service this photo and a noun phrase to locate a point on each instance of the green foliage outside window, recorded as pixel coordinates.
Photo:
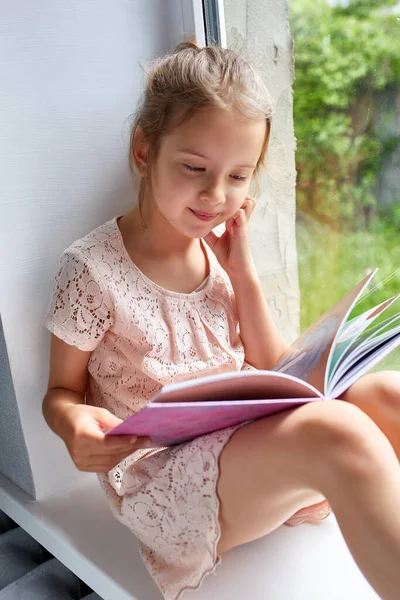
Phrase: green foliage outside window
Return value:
(345, 57)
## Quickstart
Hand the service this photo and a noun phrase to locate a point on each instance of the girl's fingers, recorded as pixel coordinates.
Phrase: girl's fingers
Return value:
(231, 221)
(238, 219)
(98, 463)
(112, 461)
(248, 206)
(245, 210)
(99, 466)
(115, 444)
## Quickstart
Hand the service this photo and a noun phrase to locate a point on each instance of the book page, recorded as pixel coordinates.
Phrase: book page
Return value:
(235, 387)
(354, 332)
(365, 364)
(309, 356)
(363, 348)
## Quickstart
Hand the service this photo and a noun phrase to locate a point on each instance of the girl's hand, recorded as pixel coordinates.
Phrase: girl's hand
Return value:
(90, 448)
(232, 247)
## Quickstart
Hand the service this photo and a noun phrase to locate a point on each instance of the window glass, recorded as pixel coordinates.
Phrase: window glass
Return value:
(347, 125)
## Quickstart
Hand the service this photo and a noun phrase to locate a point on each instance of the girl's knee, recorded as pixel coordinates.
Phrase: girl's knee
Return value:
(339, 435)
(385, 388)
(375, 392)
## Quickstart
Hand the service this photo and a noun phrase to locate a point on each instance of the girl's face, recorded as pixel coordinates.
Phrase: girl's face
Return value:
(203, 170)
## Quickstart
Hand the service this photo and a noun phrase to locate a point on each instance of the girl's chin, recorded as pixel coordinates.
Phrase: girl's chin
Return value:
(217, 229)
(201, 228)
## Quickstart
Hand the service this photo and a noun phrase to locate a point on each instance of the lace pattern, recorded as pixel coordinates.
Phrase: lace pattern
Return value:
(143, 336)
(170, 502)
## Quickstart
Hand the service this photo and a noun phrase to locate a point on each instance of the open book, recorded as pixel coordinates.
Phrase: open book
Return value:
(322, 364)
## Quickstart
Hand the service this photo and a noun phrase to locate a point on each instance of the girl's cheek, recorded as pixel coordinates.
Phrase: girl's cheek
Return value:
(183, 181)
(237, 202)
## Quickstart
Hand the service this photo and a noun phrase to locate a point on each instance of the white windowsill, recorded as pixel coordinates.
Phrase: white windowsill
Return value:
(78, 528)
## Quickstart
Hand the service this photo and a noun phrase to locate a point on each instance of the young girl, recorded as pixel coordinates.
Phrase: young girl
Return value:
(154, 297)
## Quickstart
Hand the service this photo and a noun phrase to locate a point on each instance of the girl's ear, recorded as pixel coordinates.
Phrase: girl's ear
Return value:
(140, 150)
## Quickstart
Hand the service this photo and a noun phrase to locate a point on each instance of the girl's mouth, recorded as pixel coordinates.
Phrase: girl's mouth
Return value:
(203, 216)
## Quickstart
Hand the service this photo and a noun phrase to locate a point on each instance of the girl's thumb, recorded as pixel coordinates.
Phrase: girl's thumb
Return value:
(240, 224)
(106, 419)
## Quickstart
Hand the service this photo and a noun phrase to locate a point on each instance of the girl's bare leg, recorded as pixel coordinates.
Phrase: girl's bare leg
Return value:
(378, 395)
(273, 467)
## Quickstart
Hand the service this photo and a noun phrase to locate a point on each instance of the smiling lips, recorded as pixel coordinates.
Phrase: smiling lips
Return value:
(204, 216)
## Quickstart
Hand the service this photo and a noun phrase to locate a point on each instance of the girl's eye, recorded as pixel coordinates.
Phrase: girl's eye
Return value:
(192, 168)
(239, 177)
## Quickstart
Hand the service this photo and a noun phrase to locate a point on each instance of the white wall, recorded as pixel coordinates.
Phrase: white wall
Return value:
(70, 77)
(259, 29)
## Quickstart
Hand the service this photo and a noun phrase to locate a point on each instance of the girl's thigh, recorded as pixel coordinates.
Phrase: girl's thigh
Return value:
(271, 468)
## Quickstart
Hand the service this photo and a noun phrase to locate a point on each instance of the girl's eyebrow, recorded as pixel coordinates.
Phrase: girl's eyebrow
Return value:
(193, 153)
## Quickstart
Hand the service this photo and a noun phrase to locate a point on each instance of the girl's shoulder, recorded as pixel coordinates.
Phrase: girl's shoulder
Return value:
(82, 304)
(98, 243)
(91, 263)
(98, 255)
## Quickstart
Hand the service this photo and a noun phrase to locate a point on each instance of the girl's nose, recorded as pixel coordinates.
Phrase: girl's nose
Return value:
(213, 194)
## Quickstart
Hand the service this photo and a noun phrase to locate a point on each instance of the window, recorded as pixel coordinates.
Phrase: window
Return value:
(346, 111)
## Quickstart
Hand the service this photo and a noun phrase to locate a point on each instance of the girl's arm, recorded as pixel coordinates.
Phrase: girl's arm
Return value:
(56, 404)
(262, 341)
(80, 426)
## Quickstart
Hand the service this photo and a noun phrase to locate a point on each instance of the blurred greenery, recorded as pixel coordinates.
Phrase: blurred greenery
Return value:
(346, 58)
(331, 263)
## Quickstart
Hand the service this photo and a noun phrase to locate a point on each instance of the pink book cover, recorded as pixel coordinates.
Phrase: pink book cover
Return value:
(183, 411)
(186, 410)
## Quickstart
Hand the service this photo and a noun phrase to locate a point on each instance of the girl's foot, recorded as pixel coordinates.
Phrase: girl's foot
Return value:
(310, 514)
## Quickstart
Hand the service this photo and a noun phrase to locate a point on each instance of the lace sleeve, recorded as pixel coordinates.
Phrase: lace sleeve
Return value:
(80, 309)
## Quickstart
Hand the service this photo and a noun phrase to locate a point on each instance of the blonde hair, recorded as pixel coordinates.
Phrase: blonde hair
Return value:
(190, 78)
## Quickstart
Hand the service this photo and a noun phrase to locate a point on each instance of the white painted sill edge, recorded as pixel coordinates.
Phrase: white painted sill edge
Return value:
(78, 528)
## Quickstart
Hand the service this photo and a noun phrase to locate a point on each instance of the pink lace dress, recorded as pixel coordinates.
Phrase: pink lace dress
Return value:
(143, 336)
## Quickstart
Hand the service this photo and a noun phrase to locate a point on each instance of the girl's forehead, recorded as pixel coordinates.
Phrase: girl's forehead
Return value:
(208, 118)
(218, 128)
